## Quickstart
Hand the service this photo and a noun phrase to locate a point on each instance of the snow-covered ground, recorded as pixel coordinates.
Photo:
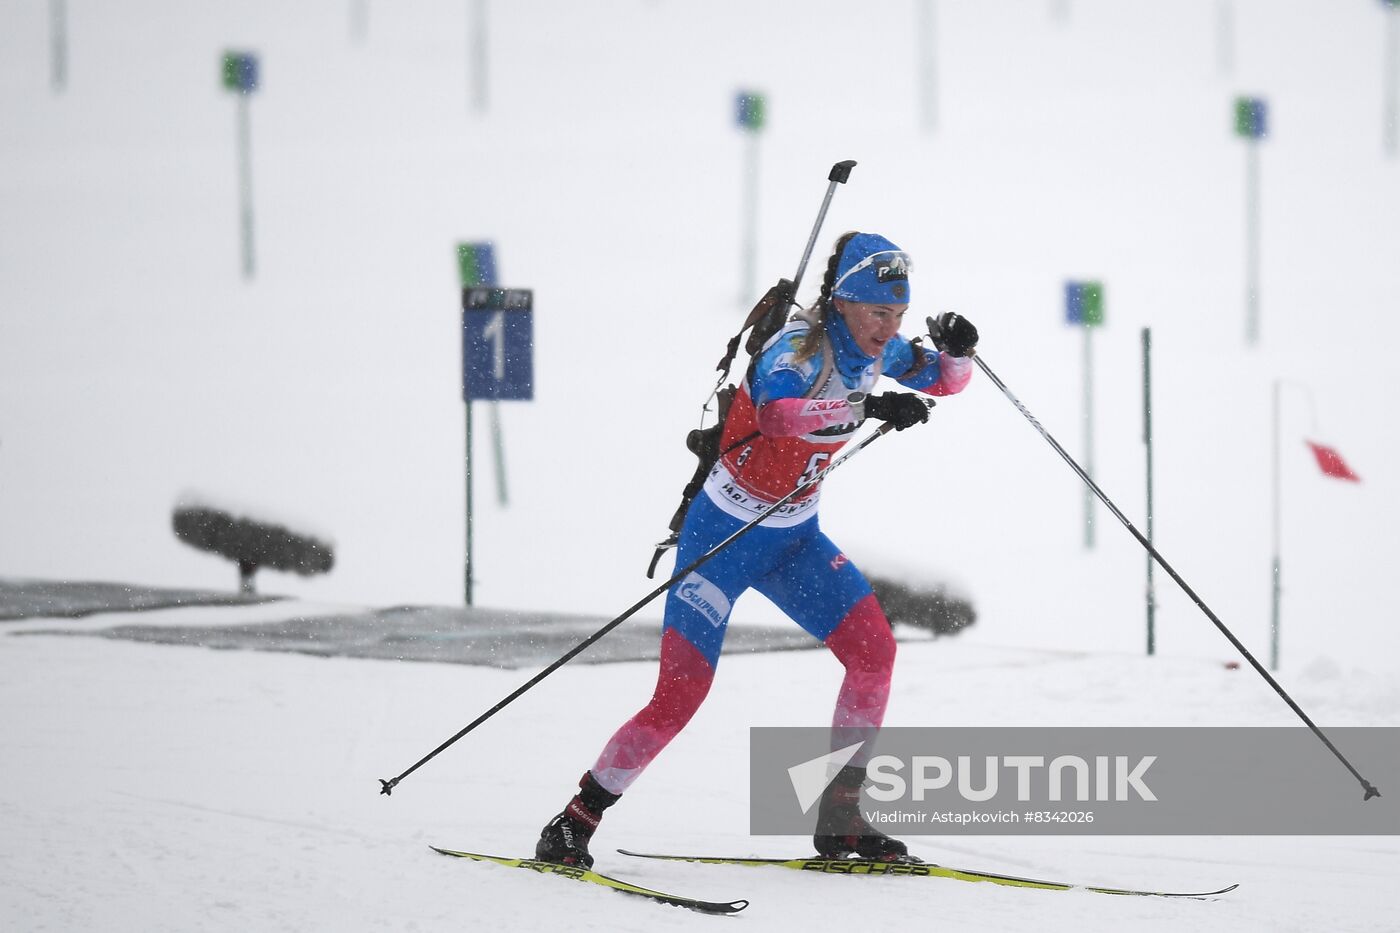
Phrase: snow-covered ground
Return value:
(162, 788)
(166, 788)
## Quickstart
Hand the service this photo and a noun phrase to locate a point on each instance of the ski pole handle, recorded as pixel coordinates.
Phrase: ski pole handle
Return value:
(841, 171)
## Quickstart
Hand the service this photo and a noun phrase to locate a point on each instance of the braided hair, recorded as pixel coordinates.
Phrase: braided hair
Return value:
(818, 314)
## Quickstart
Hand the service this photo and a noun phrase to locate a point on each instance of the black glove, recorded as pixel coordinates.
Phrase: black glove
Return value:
(953, 334)
(902, 409)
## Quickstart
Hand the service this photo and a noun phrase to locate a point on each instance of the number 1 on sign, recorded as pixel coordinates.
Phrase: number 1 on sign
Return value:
(495, 331)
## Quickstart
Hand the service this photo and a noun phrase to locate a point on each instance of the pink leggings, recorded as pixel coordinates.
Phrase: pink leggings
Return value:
(862, 642)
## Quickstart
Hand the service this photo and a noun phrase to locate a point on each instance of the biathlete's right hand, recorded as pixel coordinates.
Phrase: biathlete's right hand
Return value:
(902, 409)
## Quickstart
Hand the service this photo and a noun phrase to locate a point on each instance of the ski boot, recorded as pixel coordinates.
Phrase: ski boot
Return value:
(565, 838)
(843, 833)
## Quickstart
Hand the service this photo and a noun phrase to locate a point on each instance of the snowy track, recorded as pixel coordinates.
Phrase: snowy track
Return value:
(163, 788)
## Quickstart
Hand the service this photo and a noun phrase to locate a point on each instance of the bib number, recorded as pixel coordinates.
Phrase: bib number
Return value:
(814, 466)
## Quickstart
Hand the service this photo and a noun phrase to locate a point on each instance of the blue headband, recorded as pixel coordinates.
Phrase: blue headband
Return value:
(872, 270)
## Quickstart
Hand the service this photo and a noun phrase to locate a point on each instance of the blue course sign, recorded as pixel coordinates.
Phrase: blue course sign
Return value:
(1084, 303)
(498, 344)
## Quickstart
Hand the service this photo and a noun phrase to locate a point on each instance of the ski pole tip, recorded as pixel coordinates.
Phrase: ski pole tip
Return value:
(1370, 792)
(387, 787)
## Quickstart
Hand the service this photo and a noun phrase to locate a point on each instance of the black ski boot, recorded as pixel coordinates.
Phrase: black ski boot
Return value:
(565, 838)
(841, 830)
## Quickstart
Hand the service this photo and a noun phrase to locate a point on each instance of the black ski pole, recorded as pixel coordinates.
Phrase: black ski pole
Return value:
(389, 785)
(1161, 561)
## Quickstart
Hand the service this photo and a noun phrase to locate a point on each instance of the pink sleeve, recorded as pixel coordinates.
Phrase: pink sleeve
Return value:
(955, 372)
(793, 417)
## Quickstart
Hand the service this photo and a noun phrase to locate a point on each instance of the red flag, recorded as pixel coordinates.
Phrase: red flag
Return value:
(1331, 462)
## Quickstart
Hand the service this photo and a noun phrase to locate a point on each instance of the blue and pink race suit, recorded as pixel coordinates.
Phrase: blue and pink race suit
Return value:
(787, 420)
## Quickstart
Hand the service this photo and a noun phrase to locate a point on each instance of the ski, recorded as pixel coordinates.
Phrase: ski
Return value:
(833, 866)
(584, 874)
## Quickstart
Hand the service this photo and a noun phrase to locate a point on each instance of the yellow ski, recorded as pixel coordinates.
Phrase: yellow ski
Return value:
(838, 866)
(584, 874)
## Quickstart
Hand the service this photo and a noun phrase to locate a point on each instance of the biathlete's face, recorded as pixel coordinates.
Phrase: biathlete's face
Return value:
(872, 326)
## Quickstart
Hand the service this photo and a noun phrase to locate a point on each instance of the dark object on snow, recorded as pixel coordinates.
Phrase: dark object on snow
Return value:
(934, 610)
(251, 544)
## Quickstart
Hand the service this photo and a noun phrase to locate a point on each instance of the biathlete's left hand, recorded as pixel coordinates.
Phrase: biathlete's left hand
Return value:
(902, 409)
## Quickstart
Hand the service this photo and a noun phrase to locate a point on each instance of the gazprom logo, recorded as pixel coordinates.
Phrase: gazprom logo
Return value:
(705, 597)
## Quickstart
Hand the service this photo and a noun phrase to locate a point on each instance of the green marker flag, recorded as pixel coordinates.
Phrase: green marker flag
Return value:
(1093, 304)
(1084, 309)
(749, 111)
(1252, 125)
(1251, 117)
(1084, 303)
(477, 264)
(239, 73)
